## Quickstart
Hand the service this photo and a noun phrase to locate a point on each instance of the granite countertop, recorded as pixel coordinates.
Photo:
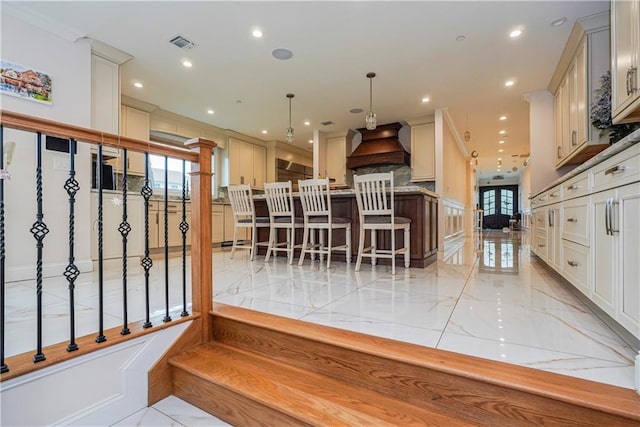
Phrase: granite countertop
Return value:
(626, 142)
(350, 191)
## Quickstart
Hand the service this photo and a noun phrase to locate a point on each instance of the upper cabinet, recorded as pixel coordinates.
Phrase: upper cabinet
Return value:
(423, 152)
(584, 61)
(337, 148)
(625, 46)
(247, 163)
(133, 124)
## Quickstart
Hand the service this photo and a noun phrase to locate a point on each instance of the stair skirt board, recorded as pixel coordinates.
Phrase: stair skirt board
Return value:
(270, 370)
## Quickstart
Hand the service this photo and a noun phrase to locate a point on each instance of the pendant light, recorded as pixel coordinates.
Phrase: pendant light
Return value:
(371, 121)
(289, 135)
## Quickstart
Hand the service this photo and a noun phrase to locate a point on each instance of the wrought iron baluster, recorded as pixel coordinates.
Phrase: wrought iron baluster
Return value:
(3, 365)
(71, 272)
(100, 337)
(166, 317)
(124, 230)
(39, 230)
(184, 227)
(146, 262)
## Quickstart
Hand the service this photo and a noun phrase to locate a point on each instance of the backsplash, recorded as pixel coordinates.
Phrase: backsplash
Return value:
(401, 175)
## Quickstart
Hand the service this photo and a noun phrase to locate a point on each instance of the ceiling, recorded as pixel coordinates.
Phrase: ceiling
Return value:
(413, 47)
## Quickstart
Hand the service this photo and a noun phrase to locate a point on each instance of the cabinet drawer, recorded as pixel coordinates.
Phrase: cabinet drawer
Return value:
(554, 195)
(618, 170)
(541, 244)
(575, 187)
(540, 219)
(575, 265)
(575, 217)
(154, 206)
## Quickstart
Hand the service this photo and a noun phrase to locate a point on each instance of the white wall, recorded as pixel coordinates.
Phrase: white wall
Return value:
(69, 65)
(99, 388)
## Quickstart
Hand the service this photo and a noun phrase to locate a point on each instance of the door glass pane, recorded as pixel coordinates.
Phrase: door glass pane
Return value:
(506, 202)
(489, 202)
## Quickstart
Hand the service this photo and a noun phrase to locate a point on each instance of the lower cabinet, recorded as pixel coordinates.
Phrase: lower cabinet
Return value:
(217, 223)
(174, 218)
(616, 287)
(111, 219)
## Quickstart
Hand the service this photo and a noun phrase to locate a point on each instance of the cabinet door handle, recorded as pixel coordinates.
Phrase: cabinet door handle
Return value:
(549, 213)
(572, 220)
(607, 219)
(574, 138)
(559, 155)
(541, 245)
(572, 263)
(612, 216)
(242, 180)
(632, 74)
(614, 170)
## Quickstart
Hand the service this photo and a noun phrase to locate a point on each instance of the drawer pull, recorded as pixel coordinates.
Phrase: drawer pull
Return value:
(553, 195)
(572, 187)
(572, 220)
(614, 169)
(541, 245)
(572, 263)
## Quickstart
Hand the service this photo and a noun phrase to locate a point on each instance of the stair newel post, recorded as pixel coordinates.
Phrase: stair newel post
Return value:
(201, 262)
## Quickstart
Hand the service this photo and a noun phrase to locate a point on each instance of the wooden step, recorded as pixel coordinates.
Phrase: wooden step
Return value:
(466, 388)
(246, 389)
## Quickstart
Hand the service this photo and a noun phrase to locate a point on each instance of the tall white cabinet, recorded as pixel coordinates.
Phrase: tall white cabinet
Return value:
(337, 148)
(625, 76)
(423, 149)
(247, 163)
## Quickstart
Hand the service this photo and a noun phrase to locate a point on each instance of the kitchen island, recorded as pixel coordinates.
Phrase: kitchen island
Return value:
(411, 202)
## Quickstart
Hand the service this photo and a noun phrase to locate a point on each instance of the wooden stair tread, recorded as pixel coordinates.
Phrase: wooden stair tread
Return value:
(588, 394)
(309, 397)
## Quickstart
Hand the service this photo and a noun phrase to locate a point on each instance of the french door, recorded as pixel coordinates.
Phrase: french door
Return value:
(499, 204)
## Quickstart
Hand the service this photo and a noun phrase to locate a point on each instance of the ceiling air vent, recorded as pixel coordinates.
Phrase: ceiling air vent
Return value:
(498, 177)
(327, 123)
(182, 43)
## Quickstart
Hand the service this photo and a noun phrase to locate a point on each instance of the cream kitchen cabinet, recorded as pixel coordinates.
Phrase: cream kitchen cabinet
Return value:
(423, 165)
(584, 61)
(337, 148)
(247, 163)
(133, 124)
(111, 219)
(217, 223)
(156, 223)
(625, 54)
(616, 253)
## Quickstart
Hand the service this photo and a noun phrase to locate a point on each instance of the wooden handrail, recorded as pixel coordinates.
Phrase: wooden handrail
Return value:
(28, 123)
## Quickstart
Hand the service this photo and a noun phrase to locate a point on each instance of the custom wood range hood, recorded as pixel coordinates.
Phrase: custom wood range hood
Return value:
(379, 147)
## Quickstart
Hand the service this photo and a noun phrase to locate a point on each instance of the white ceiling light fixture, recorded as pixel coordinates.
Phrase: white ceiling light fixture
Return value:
(256, 33)
(289, 134)
(425, 100)
(311, 141)
(503, 118)
(210, 112)
(501, 142)
(509, 83)
(138, 85)
(307, 123)
(558, 22)
(515, 33)
(502, 132)
(264, 131)
(371, 121)
(186, 63)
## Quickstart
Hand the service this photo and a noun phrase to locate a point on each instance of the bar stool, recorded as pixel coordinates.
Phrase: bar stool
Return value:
(244, 216)
(282, 216)
(316, 209)
(375, 198)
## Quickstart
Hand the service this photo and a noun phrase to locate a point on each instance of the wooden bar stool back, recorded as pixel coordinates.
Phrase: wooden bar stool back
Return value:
(282, 216)
(244, 217)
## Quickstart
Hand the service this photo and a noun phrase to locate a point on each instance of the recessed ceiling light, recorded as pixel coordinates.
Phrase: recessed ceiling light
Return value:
(210, 111)
(503, 117)
(264, 131)
(425, 100)
(501, 142)
(499, 158)
(282, 54)
(500, 150)
(257, 33)
(559, 21)
(460, 38)
(509, 83)
(187, 63)
(311, 141)
(138, 85)
(307, 123)
(515, 33)
(502, 132)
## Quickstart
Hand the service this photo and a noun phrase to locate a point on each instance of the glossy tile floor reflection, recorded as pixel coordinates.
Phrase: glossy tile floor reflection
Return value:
(485, 297)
